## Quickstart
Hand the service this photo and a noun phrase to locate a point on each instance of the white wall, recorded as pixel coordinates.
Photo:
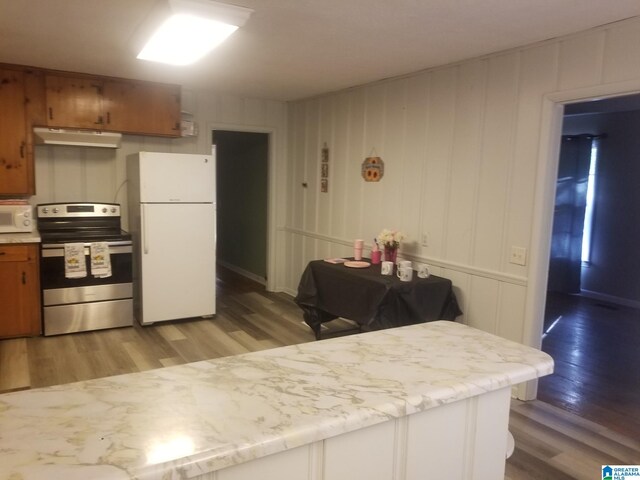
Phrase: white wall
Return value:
(467, 149)
(98, 175)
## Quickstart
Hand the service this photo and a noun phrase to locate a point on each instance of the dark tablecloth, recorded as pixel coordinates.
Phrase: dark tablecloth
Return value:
(328, 291)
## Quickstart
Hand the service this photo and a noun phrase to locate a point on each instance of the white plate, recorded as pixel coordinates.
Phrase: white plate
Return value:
(355, 264)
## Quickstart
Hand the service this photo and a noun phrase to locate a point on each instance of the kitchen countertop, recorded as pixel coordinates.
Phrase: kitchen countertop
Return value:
(31, 237)
(187, 420)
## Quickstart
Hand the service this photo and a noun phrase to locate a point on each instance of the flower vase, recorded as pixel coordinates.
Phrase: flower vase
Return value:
(390, 254)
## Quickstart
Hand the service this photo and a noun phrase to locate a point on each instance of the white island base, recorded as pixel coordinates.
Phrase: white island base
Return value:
(417, 402)
(462, 440)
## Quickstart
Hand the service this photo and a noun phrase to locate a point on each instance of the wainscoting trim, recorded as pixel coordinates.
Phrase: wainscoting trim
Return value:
(479, 272)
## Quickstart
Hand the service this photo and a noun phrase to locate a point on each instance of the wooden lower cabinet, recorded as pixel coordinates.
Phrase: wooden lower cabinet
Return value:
(19, 291)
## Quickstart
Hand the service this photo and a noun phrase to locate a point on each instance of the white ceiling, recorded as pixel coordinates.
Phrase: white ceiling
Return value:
(292, 49)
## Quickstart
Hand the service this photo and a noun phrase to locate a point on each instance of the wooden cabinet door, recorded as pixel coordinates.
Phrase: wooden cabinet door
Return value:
(142, 108)
(74, 102)
(19, 291)
(14, 175)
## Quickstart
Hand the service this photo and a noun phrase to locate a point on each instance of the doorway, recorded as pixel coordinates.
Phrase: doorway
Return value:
(592, 315)
(242, 185)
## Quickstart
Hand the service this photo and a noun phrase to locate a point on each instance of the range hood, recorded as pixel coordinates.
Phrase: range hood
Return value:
(79, 138)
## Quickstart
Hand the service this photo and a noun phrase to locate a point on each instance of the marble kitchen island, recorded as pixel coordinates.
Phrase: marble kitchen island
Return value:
(395, 403)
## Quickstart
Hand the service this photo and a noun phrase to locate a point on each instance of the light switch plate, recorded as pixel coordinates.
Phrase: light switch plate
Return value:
(518, 256)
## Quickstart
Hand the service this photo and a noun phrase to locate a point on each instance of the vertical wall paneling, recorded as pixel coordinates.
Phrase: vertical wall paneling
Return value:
(297, 149)
(68, 174)
(441, 113)
(339, 163)
(377, 198)
(581, 59)
(502, 81)
(465, 160)
(538, 75)
(392, 191)
(482, 312)
(101, 184)
(356, 154)
(510, 309)
(415, 165)
(622, 53)
(325, 128)
(312, 157)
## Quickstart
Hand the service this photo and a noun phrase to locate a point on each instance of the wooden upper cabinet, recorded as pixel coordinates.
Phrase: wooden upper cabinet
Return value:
(118, 105)
(74, 102)
(14, 165)
(143, 108)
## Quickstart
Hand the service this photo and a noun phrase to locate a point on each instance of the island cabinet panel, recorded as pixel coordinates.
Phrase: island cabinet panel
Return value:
(460, 440)
(142, 108)
(74, 102)
(20, 292)
(14, 159)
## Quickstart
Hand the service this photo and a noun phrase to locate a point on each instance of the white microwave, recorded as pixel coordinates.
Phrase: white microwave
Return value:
(16, 219)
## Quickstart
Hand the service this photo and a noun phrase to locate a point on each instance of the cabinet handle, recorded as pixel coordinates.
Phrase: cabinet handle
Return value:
(177, 126)
(3, 253)
(108, 118)
(50, 113)
(24, 278)
(22, 149)
(99, 122)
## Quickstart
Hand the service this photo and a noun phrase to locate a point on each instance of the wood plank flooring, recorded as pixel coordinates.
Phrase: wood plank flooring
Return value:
(551, 443)
(596, 351)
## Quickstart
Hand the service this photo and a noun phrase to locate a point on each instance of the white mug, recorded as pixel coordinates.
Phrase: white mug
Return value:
(405, 274)
(386, 268)
(403, 265)
(423, 271)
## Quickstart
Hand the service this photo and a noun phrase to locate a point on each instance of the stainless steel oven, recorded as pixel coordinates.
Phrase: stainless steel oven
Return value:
(90, 302)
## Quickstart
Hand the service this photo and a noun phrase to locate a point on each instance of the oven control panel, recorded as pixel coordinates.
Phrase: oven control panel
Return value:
(67, 210)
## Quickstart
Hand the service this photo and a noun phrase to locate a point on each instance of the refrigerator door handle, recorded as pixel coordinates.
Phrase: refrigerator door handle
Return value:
(145, 238)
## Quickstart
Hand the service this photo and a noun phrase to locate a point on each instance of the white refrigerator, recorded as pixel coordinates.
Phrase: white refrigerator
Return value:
(172, 219)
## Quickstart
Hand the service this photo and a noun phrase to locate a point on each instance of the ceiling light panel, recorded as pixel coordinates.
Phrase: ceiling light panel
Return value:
(194, 29)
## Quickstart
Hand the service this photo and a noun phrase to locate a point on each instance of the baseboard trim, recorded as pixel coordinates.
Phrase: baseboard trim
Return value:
(625, 302)
(243, 272)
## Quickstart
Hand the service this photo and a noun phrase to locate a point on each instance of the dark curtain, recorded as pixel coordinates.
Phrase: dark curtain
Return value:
(568, 221)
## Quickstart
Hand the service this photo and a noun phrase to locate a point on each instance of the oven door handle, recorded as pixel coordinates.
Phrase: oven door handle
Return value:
(145, 239)
(51, 251)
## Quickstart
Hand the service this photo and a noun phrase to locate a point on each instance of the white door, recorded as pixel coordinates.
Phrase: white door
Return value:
(178, 273)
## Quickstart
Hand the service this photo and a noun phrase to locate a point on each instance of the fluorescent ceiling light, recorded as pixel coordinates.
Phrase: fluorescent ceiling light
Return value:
(194, 29)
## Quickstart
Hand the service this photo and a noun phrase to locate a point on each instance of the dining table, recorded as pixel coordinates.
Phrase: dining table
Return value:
(358, 291)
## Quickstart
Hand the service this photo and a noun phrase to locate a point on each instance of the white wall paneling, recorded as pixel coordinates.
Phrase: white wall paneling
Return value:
(470, 156)
(461, 440)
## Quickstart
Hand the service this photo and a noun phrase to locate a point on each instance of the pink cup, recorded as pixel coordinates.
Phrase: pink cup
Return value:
(357, 249)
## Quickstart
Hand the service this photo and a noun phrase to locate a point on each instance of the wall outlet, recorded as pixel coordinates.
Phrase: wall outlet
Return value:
(518, 256)
(424, 241)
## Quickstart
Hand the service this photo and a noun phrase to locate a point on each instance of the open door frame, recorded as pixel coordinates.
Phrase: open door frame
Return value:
(548, 158)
